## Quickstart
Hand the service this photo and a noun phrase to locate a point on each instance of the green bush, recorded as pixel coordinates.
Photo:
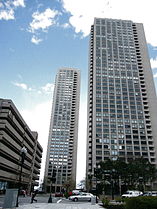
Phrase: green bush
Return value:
(141, 203)
(105, 202)
(119, 199)
(66, 195)
(116, 206)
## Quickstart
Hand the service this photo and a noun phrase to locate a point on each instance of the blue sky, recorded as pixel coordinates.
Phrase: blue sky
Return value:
(40, 36)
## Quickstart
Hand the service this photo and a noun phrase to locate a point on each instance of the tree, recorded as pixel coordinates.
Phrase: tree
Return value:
(131, 175)
(142, 172)
(69, 185)
(89, 182)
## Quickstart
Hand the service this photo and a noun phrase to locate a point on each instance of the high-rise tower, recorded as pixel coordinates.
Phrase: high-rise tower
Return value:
(63, 134)
(122, 116)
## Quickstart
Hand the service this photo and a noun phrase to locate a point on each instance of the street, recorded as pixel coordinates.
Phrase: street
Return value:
(57, 203)
(60, 206)
(27, 200)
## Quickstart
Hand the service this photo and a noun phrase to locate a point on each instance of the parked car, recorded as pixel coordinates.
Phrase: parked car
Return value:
(154, 193)
(147, 193)
(82, 197)
(132, 193)
(23, 192)
(150, 193)
(76, 192)
(58, 194)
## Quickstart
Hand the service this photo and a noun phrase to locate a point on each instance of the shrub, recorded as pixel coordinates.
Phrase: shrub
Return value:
(105, 202)
(66, 195)
(116, 206)
(119, 199)
(141, 203)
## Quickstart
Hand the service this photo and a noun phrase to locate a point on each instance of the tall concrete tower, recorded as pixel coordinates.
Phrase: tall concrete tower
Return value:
(63, 134)
(122, 114)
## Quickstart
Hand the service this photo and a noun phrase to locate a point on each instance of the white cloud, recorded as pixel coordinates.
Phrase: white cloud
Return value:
(155, 75)
(153, 63)
(36, 40)
(83, 13)
(42, 21)
(7, 14)
(7, 8)
(18, 3)
(38, 119)
(43, 90)
(48, 88)
(21, 85)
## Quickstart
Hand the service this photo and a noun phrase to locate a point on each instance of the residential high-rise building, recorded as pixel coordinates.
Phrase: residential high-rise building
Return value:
(63, 134)
(122, 115)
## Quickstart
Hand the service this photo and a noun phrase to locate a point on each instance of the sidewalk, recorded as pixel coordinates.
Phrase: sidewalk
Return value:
(60, 206)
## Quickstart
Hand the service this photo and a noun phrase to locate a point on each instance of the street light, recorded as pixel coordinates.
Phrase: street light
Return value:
(23, 153)
(53, 180)
(112, 182)
(96, 175)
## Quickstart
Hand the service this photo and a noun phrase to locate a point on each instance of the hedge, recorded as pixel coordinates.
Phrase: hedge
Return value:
(141, 203)
(116, 206)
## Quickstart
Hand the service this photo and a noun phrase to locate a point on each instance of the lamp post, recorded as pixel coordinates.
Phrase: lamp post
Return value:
(96, 176)
(53, 180)
(23, 153)
(112, 183)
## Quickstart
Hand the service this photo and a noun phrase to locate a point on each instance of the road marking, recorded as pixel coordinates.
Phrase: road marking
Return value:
(59, 201)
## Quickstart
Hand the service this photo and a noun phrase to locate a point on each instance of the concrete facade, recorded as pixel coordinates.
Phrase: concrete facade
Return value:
(122, 116)
(15, 134)
(61, 158)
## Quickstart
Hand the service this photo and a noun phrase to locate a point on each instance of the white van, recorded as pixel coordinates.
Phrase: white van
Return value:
(132, 193)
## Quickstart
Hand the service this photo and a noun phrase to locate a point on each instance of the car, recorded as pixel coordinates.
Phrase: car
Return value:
(150, 193)
(154, 193)
(132, 193)
(82, 197)
(76, 192)
(23, 192)
(147, 193)
(58, 194)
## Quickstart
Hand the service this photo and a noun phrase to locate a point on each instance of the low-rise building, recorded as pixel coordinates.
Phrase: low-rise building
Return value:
(14, 135)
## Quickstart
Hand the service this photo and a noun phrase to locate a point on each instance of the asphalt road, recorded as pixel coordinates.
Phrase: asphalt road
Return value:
(60, 206)
(42, 202)
(26, 200)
